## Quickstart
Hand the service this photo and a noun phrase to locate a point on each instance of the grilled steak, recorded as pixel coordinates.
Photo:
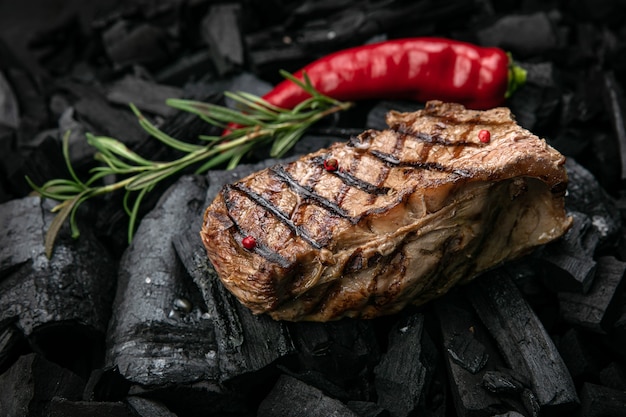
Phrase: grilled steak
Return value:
(408, 213)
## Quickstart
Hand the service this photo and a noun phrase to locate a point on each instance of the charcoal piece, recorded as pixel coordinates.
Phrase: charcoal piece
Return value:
(61, 304)
(509, 414)
(9, 110)
(578, 355)
(335, 356)
(569, 262)
(502, 382)
(62, 407)
(599, 401)
(221, 31)
(29, 385)
(12, 343)
(467, 352)
(523, 35)
(291, 397)
(144, 407)
(147, 340)
(531, 403)
(147, 96)
(367, 409)
(106, 384)
(522, 339)
(599, 308)
(613, 376)
(404, 373)
(185, 67)
(616, 105)
(457, 321)
(586, 195)
(100, 118)
(143, 44)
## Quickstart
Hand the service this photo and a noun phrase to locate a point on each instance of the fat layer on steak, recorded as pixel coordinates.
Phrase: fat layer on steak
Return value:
(410, 212)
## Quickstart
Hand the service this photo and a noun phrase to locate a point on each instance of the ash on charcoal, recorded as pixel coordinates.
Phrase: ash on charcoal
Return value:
(292, 398)
(522, 340)
(68, 295)
(503, 382)
(146, 95)
(598, 309)
(404, 373)
(27, 388)
(599, 401)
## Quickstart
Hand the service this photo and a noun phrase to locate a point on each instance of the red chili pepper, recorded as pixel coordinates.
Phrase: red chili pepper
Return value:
(420, 69)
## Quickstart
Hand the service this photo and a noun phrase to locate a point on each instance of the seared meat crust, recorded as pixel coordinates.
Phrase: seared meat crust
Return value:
(411, 211)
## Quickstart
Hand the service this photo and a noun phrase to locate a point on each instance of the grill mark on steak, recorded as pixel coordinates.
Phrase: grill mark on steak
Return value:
(307, 193)
(433, 166)
(353, 181)
(269, 207)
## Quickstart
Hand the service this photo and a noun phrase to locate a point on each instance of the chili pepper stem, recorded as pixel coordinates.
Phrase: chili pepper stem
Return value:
(517, 77)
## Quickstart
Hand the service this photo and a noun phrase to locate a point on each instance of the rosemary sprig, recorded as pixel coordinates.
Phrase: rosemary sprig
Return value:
(261, 124)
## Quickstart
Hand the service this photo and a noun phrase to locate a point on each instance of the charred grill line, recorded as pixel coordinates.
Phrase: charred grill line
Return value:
(260, 249)
(434, 139)
(269, 207)
(434, 166)
(309, 194)
(353, 181)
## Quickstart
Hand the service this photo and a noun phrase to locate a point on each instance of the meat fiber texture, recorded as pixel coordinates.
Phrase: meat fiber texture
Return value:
(410, 212)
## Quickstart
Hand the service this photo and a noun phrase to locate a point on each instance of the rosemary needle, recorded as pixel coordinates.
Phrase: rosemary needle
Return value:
(261, 124)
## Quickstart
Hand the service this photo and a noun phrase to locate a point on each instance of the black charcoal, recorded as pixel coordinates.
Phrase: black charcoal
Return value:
(586, 195)
(578, 355)
(599, 308)
(502, 382)
(293, 398)
(522, 339)
(458, 322)
(146, 95)
(12, 343)
(144, 407)
(367, 409)
(336, 356)
(29, 385)
(146, 343)
(221, 32)
(405, 371)
(144, 44)
(106, 384)
(569, 261)
(9, 110)
(615, 103)
(599, 401)
(613, 376)
(523, 35)
(62, 407)
(69, 293)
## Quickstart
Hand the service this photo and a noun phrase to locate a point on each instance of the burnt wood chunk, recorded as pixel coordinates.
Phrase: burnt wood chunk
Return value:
(61, 407)
(367, 409)
(244, 343)
(468, 358)
(578, 355)
(29, 385)
(145, 407)
(599, 308)
(146, 95)
(62, 304)
(106, 384)
(522, 340)
(404, 373)
(291, 397)
(599, 401)
(151, 339)
(220, 30)
(569, 262)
